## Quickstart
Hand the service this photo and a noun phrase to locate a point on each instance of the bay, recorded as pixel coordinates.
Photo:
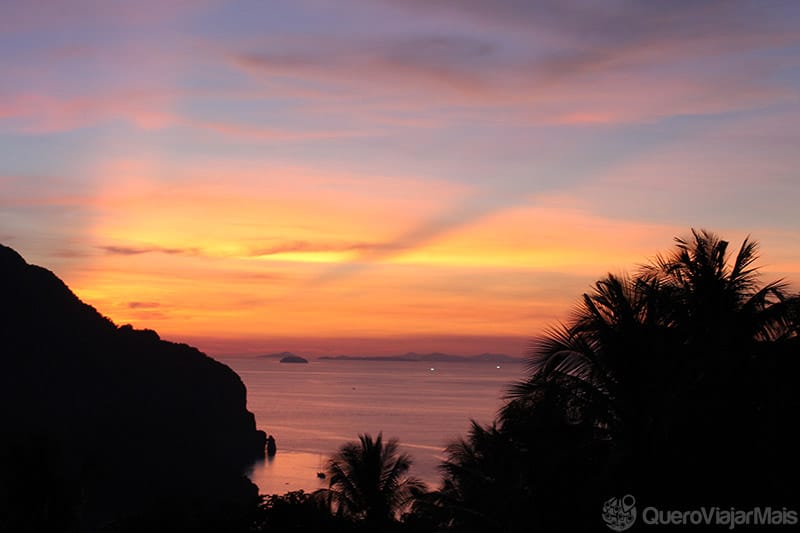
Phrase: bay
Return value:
(312, 409)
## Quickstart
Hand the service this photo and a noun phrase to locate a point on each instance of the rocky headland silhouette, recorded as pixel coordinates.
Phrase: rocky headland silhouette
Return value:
(102, 425)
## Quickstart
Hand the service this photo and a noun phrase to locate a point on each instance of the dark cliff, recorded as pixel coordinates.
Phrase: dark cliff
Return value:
(101, 424)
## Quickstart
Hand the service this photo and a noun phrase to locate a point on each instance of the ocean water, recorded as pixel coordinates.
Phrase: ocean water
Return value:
(312, 409)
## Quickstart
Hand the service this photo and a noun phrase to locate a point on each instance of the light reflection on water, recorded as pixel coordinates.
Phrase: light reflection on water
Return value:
(312, 409)
(287, 471)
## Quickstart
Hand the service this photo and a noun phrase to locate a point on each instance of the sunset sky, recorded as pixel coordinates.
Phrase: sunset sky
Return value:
(378, 176)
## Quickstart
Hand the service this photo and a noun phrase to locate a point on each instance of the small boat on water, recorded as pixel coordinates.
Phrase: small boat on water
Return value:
(320, 471)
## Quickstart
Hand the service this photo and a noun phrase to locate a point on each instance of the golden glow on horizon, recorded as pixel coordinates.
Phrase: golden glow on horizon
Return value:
(363, 181)
(213, 262)
(268, 257)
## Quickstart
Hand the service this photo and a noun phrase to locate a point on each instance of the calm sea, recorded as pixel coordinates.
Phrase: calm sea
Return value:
(311, 409)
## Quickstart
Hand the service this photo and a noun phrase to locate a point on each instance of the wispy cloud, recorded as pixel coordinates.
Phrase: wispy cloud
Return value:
(43, 113)
(308, 246)
(569, 66)
(143, 305)
(453, 217)
(263, 133)
(391, 160)
(50, 14)
(444, 63)
(622, 25)
(139, 250)
(72, 253)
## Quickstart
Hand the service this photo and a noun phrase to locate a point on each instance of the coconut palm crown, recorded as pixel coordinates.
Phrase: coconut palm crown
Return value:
(369, 480)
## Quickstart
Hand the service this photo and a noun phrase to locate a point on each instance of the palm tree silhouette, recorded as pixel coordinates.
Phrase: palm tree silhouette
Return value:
(369, 481)
(681, 318)
(719, 302)
(679, 375)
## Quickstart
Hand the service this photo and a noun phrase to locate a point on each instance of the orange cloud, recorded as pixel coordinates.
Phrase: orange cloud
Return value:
(249, 266)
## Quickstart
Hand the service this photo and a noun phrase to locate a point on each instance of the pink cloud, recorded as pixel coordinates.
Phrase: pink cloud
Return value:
(36, 191)
(628, 84)
(263, 133)
(40, 15)
(42, 113)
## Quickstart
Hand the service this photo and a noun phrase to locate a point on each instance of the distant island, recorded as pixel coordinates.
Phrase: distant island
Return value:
(279, 355)
(291, 358)
(284, 357)
(435, 357)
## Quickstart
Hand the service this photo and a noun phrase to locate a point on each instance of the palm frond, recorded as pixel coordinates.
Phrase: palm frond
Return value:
(369, 479)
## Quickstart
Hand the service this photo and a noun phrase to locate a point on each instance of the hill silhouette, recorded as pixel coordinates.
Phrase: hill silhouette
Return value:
(103, 425)
(435, 357)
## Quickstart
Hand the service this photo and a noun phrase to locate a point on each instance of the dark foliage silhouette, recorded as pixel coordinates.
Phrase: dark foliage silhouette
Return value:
(675, 384)
(369, 482)
(299, 512)
(103, 426)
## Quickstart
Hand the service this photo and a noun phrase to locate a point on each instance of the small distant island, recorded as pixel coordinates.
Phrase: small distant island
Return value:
(291, 358)
(284, 357)
(435, 357)
(279, 355)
